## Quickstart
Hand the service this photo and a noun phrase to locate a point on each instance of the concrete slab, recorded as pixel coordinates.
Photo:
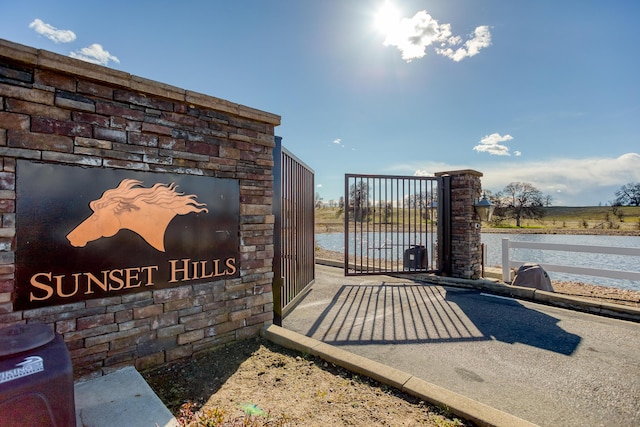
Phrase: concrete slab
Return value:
(547, 365)
(121, 398)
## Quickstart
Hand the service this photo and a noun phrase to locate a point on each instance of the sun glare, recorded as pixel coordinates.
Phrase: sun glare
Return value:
(386, 17)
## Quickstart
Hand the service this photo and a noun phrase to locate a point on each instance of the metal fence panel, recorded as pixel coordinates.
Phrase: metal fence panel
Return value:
(391, 224)
(294, 241)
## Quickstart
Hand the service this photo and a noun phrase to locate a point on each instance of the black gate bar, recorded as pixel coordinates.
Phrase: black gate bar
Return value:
(393, 224)
(294, 239)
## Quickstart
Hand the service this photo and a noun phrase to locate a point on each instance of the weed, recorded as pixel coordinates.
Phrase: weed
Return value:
(190, 416)
(445, 418)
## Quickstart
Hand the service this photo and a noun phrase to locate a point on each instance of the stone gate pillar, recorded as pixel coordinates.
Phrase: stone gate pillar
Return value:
(465, 224)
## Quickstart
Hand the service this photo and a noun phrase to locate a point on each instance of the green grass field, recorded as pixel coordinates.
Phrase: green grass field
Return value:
(557, 217)
(590, 217)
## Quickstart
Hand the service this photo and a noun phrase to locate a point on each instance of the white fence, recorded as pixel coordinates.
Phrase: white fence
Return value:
(507, 263)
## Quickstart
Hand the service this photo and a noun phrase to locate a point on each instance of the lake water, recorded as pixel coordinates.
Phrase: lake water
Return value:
(493, 245)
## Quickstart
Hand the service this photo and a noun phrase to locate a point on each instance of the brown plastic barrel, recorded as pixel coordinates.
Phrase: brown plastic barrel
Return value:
(36, 378)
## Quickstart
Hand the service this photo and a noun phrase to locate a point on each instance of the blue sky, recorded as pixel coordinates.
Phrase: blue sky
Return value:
(545, 92)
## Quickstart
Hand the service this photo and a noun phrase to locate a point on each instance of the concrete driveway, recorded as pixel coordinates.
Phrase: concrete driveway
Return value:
(550, 366)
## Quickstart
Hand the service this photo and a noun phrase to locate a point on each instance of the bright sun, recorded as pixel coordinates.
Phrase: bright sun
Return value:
(386, 17)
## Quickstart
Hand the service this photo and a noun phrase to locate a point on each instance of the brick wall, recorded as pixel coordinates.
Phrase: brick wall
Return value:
(466, 250)
(60, 110)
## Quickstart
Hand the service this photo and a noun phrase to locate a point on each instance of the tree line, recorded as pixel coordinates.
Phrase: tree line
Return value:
(517, 201)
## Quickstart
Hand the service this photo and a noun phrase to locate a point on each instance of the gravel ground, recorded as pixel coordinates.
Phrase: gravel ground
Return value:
(600, 293)
(258, 383)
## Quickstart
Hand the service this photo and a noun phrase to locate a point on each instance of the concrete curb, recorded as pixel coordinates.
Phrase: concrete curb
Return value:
(617, 311)
(497, 287)
(469, 409)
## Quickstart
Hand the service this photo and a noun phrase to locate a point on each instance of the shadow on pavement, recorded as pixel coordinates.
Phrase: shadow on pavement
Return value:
(509, 321)
(417, 313)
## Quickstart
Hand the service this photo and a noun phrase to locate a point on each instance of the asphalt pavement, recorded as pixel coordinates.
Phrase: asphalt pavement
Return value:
(547, 365)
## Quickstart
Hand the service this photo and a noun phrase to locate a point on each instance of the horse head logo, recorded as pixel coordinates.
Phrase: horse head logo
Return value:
(145, 211)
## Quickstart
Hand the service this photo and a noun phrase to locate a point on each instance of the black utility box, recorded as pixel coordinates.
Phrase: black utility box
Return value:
(415, 258)
(36, 378)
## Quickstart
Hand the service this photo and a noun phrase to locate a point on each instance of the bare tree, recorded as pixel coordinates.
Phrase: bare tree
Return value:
(425, 202)
(416, 201)
(359, 200)
(520, 200)
(387, 212)
(628, 195)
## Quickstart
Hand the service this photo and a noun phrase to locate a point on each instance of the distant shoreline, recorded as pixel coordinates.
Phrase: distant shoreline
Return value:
(585, 220)
(324, 228)
(575, 231)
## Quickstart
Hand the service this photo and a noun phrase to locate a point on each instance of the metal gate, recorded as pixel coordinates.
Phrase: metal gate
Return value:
(396, 224)
(294, 242)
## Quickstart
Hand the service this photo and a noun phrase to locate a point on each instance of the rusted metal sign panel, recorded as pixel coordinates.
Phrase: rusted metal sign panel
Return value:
(85, 233)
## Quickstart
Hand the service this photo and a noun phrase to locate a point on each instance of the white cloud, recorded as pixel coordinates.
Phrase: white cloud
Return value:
(94, 54)
(570, 182)
(481, 39)
(491, 144)
(413, 35)
(338, 142)
(52, 33)
(319, 186)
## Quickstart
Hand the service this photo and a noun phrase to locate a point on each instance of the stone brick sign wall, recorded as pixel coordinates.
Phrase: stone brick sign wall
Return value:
(61, 118)
(466, 246)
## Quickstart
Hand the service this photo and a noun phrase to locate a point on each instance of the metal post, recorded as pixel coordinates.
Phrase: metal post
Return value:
(444, 225)
(506, 271)
(277, 232)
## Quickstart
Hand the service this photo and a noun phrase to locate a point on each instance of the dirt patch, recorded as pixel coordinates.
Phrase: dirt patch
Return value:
(598, 293)
(256, 382)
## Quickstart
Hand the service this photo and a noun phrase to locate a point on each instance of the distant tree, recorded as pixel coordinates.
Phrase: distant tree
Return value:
(425, 202)
(615, 208)
(416, 201)
(318, 200)
(359, 200)
(628, 195)
(340, 210)
(387, 211)
(520, 200)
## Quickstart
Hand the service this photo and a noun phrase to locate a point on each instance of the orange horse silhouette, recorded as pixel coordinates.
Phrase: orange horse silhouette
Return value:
(145, 211)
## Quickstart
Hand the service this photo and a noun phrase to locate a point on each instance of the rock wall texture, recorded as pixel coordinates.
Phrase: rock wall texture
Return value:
(59, 110)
